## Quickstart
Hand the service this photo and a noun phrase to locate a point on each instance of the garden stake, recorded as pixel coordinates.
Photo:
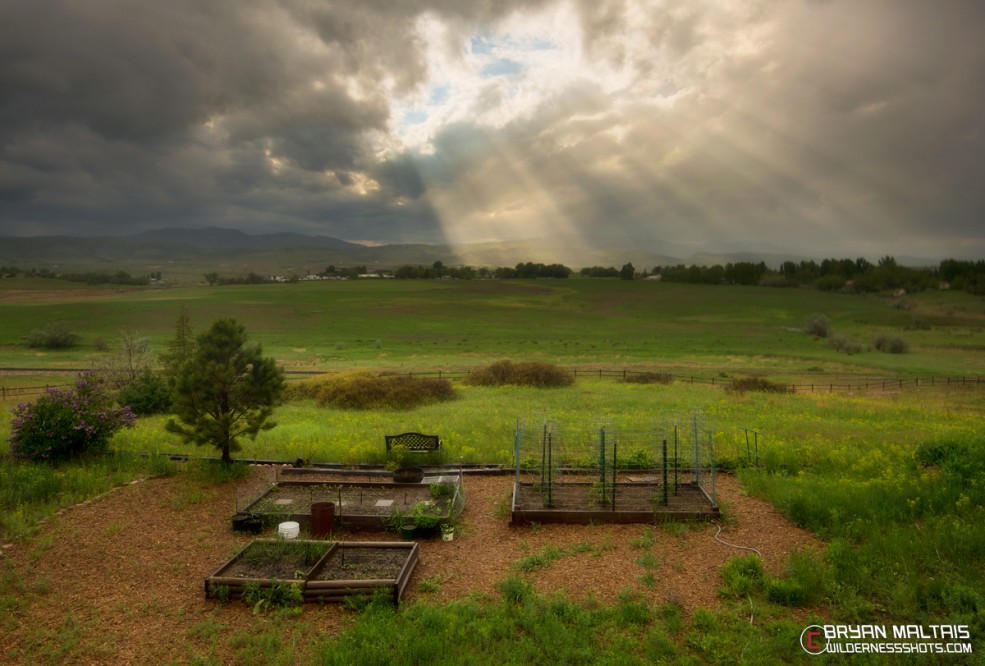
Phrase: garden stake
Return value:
(602, 462)
(666, 499)
(615, 466)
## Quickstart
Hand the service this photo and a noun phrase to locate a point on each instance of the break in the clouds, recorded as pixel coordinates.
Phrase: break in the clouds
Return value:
(833, 127)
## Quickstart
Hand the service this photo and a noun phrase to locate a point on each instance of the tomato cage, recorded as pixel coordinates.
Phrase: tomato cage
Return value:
(604, 474)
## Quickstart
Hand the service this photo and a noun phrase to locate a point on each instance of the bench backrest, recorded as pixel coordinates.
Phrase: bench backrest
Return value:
(413, 441)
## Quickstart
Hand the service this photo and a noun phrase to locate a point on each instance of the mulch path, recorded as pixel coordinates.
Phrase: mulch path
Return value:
(124, 573)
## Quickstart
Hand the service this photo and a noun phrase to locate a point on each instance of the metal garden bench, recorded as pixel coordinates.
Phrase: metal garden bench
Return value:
(414, 442)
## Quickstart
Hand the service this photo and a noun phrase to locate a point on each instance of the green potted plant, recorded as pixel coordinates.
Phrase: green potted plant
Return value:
(423, 520)
(441, 489)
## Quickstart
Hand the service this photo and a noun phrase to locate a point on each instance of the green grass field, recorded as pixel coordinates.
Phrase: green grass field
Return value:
(444, 324)
(890, 480)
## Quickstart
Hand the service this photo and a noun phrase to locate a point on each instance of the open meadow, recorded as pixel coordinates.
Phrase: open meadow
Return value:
(878, 457)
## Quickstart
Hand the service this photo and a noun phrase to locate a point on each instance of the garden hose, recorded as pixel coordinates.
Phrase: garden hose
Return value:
(732, 545)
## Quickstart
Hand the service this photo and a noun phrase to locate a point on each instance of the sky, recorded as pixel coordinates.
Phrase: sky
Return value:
(825, 127)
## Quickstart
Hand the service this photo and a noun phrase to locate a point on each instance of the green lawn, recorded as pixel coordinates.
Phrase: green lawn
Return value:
(446, 324)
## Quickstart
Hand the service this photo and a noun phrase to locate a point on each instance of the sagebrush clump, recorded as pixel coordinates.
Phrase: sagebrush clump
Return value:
(892, 344)
(648, 378)
(56, 335)
(845, 345)
(526, 373)
(756, 384)
(365, 390)
(818, 325)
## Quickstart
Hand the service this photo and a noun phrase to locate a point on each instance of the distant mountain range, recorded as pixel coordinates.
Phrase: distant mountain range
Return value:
(230, 251)
(216, 238)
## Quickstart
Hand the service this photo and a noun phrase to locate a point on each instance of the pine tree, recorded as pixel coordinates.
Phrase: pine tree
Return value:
(226, 391)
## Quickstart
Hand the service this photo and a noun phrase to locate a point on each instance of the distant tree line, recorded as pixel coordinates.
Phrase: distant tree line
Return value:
(438, 270)
(853, 275)
(214, 278)
(850, 275)
(92, 277)
(627, 272)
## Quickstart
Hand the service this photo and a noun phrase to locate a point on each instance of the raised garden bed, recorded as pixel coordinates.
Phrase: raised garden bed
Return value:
(362, 567)
(323, 570)
(359, 505)
(267, 562)
(635, 502)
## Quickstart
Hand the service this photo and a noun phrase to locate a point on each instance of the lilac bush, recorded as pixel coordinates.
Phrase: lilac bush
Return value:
(65, 424)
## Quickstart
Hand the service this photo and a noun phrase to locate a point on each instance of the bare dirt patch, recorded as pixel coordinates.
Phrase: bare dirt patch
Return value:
(121, 578)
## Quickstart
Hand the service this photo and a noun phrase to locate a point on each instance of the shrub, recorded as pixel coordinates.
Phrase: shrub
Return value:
(55, 335)
(892, 344)
(648, 378)
(148, 394)
(818, 325)
(306, 389)
(744, 384)
(364, 390)
(63, 425)
(831, 283)
(845, 344)
(527, 373)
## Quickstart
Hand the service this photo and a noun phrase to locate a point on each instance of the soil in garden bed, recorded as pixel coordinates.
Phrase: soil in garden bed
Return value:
(638, 497)
(363, 564)
(282, 560)
(356, 499)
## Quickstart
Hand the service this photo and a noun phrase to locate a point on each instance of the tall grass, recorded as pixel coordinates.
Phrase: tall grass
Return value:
(906, 526)
(801, 430)
(525, 627)
(31, 492)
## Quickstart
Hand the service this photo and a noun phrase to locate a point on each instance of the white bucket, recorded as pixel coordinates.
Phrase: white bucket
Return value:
(289, 530)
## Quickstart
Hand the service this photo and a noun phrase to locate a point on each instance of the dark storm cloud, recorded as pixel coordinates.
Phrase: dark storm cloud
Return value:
(850, 126)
